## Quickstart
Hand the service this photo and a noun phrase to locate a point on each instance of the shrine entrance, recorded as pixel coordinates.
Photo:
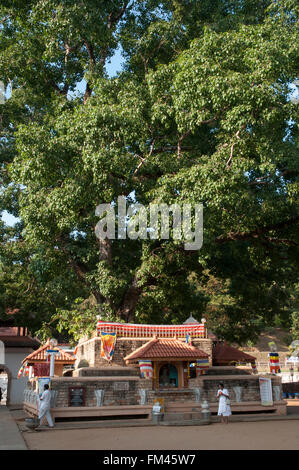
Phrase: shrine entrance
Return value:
(168, 376)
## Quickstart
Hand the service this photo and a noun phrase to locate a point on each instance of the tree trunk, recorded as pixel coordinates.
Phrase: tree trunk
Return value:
(126, 310)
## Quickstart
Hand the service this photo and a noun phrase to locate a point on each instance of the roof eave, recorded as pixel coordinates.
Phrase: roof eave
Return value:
(168, 358)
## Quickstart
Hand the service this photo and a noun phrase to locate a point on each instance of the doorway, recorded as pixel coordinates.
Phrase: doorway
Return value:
(168, 376)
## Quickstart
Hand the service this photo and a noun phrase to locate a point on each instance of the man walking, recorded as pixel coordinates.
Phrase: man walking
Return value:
(44, 406)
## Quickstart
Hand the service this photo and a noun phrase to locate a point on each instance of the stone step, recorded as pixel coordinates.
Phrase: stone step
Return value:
(185, 422)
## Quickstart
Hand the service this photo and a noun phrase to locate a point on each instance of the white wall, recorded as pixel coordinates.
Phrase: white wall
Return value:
(13, 361)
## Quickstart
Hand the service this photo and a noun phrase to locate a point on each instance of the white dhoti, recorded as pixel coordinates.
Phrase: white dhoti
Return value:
(44, 408)
(223, 408)
(46, 413)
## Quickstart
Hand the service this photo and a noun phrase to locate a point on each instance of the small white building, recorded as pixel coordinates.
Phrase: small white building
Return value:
(17, 345)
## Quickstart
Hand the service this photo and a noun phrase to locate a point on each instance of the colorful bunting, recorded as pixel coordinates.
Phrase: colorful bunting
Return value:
(21, 372)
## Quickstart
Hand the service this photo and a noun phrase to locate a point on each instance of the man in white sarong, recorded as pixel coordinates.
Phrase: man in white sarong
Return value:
(44, 406)
(224, 410)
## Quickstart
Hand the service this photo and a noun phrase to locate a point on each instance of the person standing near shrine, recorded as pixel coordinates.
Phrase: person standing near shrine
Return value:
(44, 406)
(224, 410)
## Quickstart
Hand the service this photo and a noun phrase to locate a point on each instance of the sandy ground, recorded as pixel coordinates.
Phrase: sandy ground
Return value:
(279, 435)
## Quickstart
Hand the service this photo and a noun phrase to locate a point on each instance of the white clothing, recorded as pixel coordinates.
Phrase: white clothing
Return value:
(44, 407)
(223, 408)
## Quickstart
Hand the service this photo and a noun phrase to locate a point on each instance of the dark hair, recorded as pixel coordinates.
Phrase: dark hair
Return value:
(221, 385)
(46, 386)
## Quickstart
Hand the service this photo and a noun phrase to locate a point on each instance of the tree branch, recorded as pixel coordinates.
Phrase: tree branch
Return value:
(237, 135)
(118, 16)
(258, 233)
(143, 160)
(179, 147)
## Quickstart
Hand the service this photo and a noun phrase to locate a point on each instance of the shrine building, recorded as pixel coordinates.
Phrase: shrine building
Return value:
(125, 368)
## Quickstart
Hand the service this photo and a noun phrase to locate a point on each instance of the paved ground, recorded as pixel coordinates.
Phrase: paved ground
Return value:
(279, 433)
(261, 435)
(10, 437)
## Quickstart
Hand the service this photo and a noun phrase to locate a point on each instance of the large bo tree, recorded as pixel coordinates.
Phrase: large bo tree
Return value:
(201, 112)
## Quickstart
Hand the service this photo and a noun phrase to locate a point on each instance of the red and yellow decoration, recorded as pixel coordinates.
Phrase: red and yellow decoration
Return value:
(107, 345)
(274, 363)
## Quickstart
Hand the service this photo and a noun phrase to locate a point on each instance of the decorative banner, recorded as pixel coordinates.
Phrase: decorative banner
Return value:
(41, 370)
(266, 391)
(107, 345)
(274, 363)
(202, 365)
(146, 369)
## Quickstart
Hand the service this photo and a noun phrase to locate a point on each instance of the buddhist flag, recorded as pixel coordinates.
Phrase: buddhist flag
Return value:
(274, 363)
(21, 371)
(107, 345)
(188, 339)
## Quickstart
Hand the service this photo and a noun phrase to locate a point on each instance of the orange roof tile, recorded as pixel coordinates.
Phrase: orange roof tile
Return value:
(40, 355)
(161, 348)
(9, 331)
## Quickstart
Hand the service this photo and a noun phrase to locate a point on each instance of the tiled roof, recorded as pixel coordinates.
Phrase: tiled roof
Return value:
(41, 355)
(224, 353)
(12, 311)
(211, 336)
(9, 331)
(161, 348)
(189, 320)
(12, 341)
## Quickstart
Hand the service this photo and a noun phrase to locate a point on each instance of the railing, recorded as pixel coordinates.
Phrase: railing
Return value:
(130, 330)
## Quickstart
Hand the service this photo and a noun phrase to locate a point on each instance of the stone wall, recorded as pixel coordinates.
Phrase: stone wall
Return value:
(125, 390)
(249, 385)
(117, 391)
(171, 396)
(113, 371)
(292, 387)
(90, 350)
